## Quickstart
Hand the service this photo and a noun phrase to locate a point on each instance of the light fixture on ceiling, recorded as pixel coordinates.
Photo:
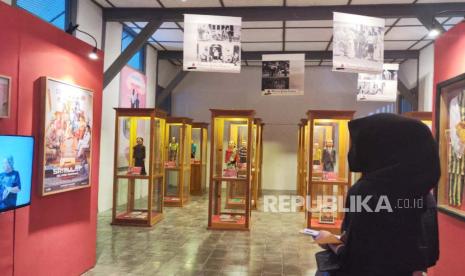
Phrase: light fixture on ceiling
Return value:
(72, 28)
(436, 30)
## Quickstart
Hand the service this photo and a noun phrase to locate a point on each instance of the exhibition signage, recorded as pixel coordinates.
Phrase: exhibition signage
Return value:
(66, 136)
(378, 87)
(283, 75)
(358, 43)
(133, 88)
(212, 43)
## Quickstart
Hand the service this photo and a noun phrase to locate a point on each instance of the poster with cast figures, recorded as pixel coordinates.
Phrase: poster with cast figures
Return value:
(5, 97)
(212, 43)
(66, 136)
(133, 88)
(358, 43)
(283, 75)
(378, 87)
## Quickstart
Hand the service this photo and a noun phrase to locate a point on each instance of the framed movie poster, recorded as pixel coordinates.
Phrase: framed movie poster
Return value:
(450, 134)
(378, 87)
(283, 74)
(5, 96)
(212, 43)
(66, 136)
(358, 43)
(133, 88)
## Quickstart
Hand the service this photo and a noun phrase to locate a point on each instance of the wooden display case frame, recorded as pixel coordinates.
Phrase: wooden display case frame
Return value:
(152, 177)
(199, 170)
(184, 166)
(342, 184)
(257, 162)
(216, 153)
(260, 174)
(301, 186)
(425, 117)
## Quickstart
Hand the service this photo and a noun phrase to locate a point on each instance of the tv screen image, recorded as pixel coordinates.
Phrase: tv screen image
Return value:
(16, 158)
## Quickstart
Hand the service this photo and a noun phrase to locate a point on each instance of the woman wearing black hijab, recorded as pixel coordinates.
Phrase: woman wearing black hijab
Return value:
(399, 161)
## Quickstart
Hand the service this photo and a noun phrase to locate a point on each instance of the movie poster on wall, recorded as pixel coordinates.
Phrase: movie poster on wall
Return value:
(212, 43)
(358, 43)
(67, 126)
(283, 75)
(5, 95)
(378, 87)
(133, 88)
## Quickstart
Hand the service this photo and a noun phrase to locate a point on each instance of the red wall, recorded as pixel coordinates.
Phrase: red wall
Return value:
(56, 235)
(449, 61)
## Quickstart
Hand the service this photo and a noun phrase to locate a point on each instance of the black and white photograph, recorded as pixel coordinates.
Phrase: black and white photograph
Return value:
(212, 43)
(378, 87)
(283, 74)
(358, 43)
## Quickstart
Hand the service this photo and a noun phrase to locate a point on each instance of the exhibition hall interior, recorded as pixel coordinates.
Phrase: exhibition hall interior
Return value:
(232, 137)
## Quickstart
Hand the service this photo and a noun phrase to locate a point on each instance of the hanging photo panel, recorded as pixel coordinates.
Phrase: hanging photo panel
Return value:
(283, 75)
(212, 43)
(378, 87)
(358, 43)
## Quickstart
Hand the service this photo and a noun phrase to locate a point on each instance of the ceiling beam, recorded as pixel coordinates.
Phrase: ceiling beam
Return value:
(279, 13)
(165, 93)
(132, 48)
(309, 55)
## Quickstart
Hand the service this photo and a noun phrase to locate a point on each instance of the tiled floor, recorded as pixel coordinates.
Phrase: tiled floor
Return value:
(181, 245)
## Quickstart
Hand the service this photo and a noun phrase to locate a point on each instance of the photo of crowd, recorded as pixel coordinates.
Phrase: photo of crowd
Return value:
(216, 32)
(68, 132)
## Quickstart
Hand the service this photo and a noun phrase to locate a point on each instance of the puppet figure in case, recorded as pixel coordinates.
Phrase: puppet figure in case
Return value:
(138, 169)
(178, 167)
(230, 180)
(450, 131)
(328, 172)
(199, 159)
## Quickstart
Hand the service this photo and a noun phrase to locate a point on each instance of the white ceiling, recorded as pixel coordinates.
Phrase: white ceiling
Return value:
(292, 35)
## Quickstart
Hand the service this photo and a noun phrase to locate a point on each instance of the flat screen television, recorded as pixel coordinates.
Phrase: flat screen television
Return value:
(16, 158)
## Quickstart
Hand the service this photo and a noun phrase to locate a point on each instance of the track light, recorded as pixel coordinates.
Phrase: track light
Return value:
(75, 28)
(93, 55)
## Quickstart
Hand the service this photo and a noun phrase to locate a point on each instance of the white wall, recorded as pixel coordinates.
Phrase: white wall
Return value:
(324, 89)
(408, 73)
(167, 72)
(426, 75)
(151, 73)
(89, 18)
(7, 1)
(110, 100)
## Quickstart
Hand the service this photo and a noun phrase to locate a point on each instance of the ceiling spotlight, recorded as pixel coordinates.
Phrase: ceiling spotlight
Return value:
(93, 55)
(434, 32)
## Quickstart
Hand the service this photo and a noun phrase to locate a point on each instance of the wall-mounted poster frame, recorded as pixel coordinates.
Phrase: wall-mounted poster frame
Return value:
(66, 126)
(5, 97)
(449, 126)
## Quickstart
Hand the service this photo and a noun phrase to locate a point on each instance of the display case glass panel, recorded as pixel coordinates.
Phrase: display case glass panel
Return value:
(199, 159)
(232, 146)
(137, 189)
(328, 170)
(178, 134)
(256, 161)
(450, 133)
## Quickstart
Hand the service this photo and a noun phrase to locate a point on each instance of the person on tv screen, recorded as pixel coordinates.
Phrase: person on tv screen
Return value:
(10, 184)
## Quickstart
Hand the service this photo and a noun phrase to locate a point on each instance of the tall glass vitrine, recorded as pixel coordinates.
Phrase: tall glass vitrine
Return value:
(328, 175)
(199, 158)
(178, 135)
(231, 151)
(257, 129)
(138, 167)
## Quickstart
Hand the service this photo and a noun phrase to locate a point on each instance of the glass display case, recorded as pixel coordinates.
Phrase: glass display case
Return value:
(425, 117)
(449, 125)
(257, 129)
(231, 151)
(199, 158)
(328, 169)
(138, 166)
(178, 149)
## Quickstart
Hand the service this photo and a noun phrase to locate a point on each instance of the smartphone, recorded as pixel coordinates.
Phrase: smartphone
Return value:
(310, 232)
